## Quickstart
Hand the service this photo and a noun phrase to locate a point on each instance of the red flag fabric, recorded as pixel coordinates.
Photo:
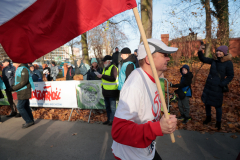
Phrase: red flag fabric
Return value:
(47, 24)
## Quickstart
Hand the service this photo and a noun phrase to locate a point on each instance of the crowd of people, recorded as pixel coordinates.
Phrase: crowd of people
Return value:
(128, 78)
(136, 122)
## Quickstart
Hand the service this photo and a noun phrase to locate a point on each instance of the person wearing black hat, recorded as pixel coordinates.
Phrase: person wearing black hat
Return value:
(110, 91)
(127, 67)
(8, 74)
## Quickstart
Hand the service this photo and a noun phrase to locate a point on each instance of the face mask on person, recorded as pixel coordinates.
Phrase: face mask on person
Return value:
(106, 65)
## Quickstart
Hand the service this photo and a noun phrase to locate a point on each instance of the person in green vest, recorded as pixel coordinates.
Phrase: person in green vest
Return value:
(23, 86)
(110, 91)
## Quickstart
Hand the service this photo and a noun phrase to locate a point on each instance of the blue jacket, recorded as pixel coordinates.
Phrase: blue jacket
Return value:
(186, 81)
(8, 74)
(2, 85)
(22, 83)
(126, 69)
(36, 75)
(220, 68)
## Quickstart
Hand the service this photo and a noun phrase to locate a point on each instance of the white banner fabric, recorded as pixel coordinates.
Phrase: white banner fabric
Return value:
(60, 94)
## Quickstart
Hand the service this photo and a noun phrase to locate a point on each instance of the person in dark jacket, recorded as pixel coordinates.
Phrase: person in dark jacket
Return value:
(8, 74)
(185, 86)
(70, 72)
(116, 58)
(47, 72)
(110, 91)
(127, 67)
(221, 73)
(36, 74)
(136, 54)
(91, 75)
(23, 86)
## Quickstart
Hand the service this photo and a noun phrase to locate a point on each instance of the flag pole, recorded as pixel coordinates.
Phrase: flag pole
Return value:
(144, 38)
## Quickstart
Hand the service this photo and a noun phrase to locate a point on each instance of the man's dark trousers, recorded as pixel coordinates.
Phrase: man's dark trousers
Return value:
(10, 100)
(24, 109)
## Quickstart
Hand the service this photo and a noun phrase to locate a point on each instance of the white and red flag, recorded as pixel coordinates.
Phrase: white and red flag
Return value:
(30, 29)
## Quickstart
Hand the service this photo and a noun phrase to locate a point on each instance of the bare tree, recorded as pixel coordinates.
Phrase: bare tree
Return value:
(146, 17)
(208, 48)
(104, 38)
(73, 43)
(85, 48)
(222, 15)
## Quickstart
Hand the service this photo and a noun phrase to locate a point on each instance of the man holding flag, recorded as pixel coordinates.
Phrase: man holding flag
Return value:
(137, 120)
(34, 28)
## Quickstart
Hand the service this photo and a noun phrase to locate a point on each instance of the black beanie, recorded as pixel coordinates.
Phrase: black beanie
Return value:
(126, 51)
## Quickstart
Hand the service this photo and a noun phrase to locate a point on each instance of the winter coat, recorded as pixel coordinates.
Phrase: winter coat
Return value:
(123, 75)
(70, 73)
(84, 69)
(111, 78)
(186, 81)
(8, 75)
(116, 58)
(136, 63)
(88, 67)
(54, 71)
(2, 85)
(221, 73)
(25, 93)
(92, 76)
(36, 75)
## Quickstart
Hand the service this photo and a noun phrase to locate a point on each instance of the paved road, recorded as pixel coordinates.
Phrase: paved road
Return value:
(54, 140)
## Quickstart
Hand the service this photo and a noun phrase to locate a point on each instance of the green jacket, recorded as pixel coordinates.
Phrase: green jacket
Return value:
(26, 93)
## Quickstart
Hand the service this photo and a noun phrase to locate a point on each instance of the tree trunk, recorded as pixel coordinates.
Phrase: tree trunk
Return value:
(223, 22)
(72, 56)
(208, 29)
(85, 47)
(42, 60)
(146, 17)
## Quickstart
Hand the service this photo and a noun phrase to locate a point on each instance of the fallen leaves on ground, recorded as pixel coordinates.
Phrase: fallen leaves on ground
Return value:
(230, 109)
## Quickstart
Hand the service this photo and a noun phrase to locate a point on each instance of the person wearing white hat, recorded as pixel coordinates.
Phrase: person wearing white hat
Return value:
(137, 121)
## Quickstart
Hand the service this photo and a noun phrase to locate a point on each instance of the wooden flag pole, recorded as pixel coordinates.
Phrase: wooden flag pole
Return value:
(144, 38)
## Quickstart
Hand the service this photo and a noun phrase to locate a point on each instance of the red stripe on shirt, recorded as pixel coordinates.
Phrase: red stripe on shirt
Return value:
(152, 79)
(135, 135)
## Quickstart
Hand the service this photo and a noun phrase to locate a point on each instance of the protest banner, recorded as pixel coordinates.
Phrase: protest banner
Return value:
(89, 95)
(61, 94)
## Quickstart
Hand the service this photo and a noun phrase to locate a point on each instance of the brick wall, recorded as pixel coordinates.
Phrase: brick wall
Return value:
(234, 46)
(191, 47)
